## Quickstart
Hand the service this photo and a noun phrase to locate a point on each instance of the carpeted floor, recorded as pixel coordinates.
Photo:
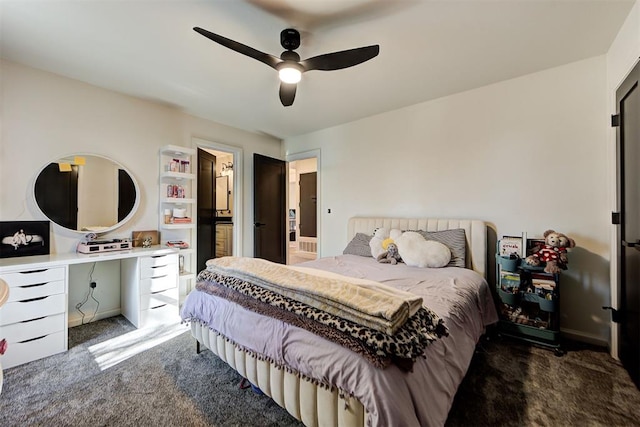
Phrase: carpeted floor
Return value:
(100, 381)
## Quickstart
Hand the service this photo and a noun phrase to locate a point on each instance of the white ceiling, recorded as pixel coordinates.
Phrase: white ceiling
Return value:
(428, 49)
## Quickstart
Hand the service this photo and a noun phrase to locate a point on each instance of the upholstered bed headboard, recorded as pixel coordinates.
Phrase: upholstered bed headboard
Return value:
(475, 232)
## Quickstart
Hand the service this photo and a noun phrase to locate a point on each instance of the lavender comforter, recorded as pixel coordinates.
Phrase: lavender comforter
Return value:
(392, 397)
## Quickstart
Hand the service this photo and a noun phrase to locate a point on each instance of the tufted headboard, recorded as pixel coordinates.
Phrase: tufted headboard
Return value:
(475, 232)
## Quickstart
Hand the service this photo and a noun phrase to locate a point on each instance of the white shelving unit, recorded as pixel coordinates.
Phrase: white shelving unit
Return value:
(182, 177)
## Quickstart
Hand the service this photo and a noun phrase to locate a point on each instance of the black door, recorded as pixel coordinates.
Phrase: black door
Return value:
(57, 195)
(269, 198)
(206, 208)
(308, 204)
(628, 147)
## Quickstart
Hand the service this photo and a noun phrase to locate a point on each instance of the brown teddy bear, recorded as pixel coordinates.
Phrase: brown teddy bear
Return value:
(553, 253)
(390, 256)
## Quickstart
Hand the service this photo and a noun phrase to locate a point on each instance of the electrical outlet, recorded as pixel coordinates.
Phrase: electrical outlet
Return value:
(93, 284)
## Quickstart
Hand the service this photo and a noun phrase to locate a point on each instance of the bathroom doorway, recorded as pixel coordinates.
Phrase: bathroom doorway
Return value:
(216, 204)
(303, 208)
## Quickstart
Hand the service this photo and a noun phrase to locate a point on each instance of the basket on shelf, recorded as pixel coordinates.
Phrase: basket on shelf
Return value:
(508, 263)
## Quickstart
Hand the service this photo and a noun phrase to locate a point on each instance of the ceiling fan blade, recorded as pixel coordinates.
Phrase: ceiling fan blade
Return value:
(270, 60)
(342, 59)
(287, 93)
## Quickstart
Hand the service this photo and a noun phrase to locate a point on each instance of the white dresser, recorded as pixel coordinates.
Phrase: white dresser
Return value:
(34, 320)
(149, 294)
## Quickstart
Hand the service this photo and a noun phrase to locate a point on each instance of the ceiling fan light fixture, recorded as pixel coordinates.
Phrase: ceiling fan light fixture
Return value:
(290, 74)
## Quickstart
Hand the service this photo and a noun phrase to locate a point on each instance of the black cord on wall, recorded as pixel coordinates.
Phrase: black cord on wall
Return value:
(92, 286)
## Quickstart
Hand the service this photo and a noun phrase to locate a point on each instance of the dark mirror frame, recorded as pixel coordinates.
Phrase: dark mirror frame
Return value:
(65, 202)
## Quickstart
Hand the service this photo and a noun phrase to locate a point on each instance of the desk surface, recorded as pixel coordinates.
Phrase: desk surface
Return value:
(78, 258)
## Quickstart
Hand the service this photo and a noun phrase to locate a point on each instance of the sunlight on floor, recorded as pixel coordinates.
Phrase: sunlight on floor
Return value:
(111, 352)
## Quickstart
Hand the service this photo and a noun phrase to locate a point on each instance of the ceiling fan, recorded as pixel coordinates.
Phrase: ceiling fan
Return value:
(289, 66)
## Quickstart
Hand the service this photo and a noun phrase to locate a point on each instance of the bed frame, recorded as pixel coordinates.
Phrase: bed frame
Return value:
(312, 404)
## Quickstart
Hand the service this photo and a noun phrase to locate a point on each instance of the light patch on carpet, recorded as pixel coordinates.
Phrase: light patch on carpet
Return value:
(115, 350)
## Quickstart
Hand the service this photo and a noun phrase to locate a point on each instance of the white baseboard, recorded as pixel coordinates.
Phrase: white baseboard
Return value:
(75, 319)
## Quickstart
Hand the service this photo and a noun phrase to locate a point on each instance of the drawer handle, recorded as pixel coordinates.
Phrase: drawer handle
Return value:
(33, 271)
(32, 339)
(158, 256)
(34, 285)
(33, 299)
(159, 266)
(160, 306)
(159, 277)
(33, 320)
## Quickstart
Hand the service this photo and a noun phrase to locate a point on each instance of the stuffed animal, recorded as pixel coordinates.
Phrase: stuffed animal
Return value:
(553, 253)
(416, 251)
(391, 255)
(379, 235)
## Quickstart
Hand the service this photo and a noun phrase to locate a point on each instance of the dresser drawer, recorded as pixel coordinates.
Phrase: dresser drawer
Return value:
(158, 284)
(158, 299)
(158, 261)
(19, 311)
(42, 346)
(159, 271)
(30, 277)
(23, 331)
(24, 292)
(159, 315)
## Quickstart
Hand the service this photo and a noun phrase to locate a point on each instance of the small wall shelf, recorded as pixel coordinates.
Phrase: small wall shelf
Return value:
(177, 178)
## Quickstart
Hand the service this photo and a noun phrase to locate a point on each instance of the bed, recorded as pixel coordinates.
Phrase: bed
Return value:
(323, 383)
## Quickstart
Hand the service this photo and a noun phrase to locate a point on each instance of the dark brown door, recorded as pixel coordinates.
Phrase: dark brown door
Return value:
(57, 195)
(269, 219)
(628, 147)
(206, 208)
(308, 204)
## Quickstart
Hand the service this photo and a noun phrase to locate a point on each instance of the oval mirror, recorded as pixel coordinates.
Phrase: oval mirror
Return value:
(86, 193)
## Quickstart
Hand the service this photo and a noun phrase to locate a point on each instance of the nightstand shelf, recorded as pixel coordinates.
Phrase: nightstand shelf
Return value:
(529, 304)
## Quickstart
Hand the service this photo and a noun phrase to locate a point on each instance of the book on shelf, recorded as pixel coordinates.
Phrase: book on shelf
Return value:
(544, 282)
(184, 220)
(510, 245)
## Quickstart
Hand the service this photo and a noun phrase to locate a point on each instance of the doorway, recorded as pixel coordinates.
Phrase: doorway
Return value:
(303, 209)
(628, 237)
(216, 204)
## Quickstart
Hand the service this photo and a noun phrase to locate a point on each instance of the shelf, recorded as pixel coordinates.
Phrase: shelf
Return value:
(187, 276)
(525, 313)
(172, 160)
(177, 175)
(177, 150)
(177, 226)
(187, 251)
(177, 201)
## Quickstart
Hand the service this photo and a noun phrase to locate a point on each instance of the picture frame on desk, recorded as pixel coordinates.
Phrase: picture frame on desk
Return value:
(24, 238)
(150, 237)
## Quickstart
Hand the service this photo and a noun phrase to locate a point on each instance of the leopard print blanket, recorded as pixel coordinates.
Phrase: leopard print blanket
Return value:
(408, 343)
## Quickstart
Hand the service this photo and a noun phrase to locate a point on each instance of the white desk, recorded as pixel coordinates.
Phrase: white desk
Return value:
(35, 318)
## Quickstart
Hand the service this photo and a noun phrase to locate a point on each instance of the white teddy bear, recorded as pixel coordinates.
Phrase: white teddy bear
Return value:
(379, 235)
(416, 251)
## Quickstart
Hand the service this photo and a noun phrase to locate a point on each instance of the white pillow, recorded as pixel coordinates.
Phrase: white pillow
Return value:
(416, 251)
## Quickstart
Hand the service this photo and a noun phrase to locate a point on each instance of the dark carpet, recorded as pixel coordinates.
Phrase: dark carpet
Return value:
(100, 382)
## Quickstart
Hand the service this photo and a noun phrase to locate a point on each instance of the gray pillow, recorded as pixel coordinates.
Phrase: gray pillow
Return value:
(359, 245)
(455, 240)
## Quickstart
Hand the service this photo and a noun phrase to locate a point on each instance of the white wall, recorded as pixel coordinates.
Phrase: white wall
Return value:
(526, 154)
(45, 117)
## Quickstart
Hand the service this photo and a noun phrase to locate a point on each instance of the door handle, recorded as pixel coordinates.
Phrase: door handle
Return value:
(631, 244)
(259, 224)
